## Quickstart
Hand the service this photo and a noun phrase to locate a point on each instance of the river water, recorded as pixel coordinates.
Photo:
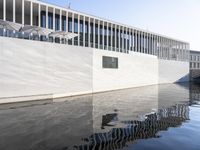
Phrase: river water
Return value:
(160, 117)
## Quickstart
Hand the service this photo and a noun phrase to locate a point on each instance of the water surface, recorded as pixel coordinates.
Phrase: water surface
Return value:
(161, 117)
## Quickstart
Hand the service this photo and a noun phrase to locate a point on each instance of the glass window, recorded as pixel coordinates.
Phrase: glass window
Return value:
(96, 35)
(57, 22)
(75, 31)
(91, 34)
(63, 23)
(35, 14)
(9, 10)
(121, 38)
(109, 37)
(50, 20)
(27, 7)
(75, 25)
(86, 33)
(105, 37)
(1, 9)
(117, 40)
(113, 38)
(69, 24)
(18, 9)
(101, 36)
(81, 32)
(190, 65)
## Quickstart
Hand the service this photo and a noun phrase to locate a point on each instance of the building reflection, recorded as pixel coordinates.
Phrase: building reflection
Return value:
(117, 138)
(111, 120)
(194, 94)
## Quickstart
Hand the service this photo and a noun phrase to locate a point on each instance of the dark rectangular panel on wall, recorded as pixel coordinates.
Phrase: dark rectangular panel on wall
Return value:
(110, 62)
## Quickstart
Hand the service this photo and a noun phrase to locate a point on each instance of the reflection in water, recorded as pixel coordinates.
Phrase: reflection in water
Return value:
(125, 119)
(106, 119)
(117, 138)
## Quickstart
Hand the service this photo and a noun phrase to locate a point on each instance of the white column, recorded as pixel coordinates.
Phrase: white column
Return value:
(78, 30)
(4, 10)
(31, 18)
(156, 48)
(132, 39)
(94, 34)
(147, 47)
(72, 27)
(149, 43)
(169, 49)
(39, 15)
(162, 47)
(139, 42)
(107, 28)
(23, 12)
(60, 24)
(115, 37)
(66, 27)
(123, 39)
(66, 21)
(98, 22)
(135, 40)
(129, 37)
(103, 36)
(119, 39)
(14, 11)
(126, 41)
(111, 37)
(145, 42)
(84, 31)
(47, 22)
(89, 29)
(153, 45)
(54, 19)
(60, 20)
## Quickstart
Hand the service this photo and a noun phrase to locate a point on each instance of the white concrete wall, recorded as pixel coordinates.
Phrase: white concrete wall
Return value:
(134, 70)
(173, 71)
(32, 68)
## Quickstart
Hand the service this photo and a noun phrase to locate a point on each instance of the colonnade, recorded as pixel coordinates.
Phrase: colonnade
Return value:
(93, 31)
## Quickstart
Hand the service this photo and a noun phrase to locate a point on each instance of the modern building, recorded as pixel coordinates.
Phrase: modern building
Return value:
(194, 59)
(194, 65)
(58, 51)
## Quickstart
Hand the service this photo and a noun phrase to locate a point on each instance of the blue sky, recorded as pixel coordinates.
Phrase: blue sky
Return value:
(175, 18)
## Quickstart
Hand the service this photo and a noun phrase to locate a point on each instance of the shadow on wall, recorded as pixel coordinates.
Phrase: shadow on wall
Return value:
(184, 78)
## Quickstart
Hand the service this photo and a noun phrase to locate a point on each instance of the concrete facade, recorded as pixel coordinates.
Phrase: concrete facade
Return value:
(170, 71)
(35, 68)
(51, 52)
(134, 70)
